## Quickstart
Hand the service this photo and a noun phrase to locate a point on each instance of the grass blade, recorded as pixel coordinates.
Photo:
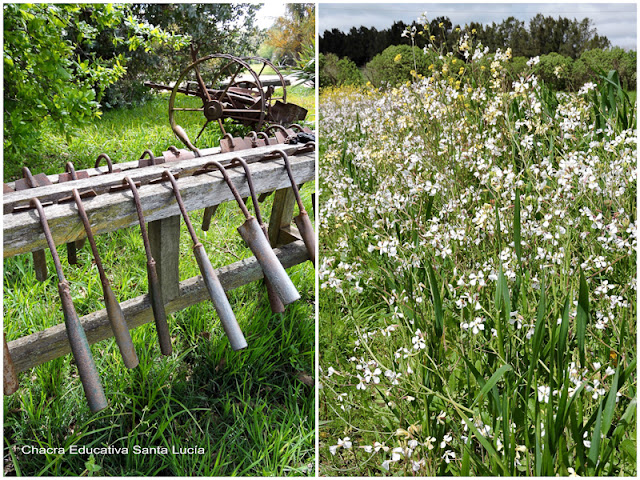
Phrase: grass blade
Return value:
(437, 302)
(582, 316)
(516, 227)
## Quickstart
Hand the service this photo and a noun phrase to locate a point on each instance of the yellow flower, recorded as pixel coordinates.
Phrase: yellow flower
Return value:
(469, 89)
(474, 31)
(454, 61)
(432, 66)
(461, 71)
(441, 24)
(398, 58)
(432, 38)
(482, 67)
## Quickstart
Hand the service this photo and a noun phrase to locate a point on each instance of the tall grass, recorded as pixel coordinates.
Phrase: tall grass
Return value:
(477, 275)
(248, 410)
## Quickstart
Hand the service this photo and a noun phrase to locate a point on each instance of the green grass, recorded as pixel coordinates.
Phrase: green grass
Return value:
(124, 134)
(477, 275)
(248, 410)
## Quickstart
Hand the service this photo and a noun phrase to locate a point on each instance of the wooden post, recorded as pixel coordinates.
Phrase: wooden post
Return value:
(164, 236)
(281, 216)
(40, 265)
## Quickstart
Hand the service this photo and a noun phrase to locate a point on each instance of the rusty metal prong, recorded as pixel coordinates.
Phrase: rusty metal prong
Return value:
(114, 311)
(155, 289)
(274, 300)
(230, 137)
(296, 126)
(10, 377)
(252, 190)
(75, 332)
(72, 255)
(264, 136)
(211, 280)
(294, 186)
(109, 162)
(302, 220)
(254, 139)
(253, 236)
(148, 153)
(28, 176)
(231, 185)
(305, 147)
(71, 170)
(277, 127)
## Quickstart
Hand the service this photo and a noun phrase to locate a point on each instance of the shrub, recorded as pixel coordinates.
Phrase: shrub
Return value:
(336, 71)
(395, 64)
(555, 70)
(623, 62)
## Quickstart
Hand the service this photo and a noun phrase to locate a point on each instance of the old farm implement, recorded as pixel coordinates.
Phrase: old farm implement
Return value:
(152, 194)
(222, 86)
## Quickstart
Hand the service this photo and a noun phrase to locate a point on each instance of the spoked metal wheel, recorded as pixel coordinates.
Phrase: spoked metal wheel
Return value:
(272, 87)
(216, 87)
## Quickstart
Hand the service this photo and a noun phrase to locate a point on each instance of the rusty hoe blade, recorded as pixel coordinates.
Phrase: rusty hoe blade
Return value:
(114, 312)
(77, 338)
(155, 290)
(10, 378)
(302, 220)
(211, 281)
(274, 300)
(254, 237)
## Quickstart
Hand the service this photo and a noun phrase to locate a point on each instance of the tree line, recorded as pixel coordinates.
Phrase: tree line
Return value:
(543, 35)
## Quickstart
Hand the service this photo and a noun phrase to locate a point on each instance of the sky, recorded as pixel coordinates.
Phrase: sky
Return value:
(267, 15)
(616, 21)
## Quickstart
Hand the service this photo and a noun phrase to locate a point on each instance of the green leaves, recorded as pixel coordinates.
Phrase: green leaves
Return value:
(582, 317)
(517, 241)
(437, 302)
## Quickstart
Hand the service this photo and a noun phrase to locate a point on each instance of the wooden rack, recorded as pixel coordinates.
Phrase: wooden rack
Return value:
(110, 211)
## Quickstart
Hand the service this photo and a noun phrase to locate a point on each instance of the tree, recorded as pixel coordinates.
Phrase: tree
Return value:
(52, 71)
(292, 32)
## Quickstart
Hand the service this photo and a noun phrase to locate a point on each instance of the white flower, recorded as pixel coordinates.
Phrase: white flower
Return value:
(445, 440)
(449, 456)
(543, 394)
(346, 443)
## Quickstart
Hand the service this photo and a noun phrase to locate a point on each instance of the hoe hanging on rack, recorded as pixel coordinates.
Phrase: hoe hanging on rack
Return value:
(77, 338)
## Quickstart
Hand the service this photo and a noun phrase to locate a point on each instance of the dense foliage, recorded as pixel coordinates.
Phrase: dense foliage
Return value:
(338, 71)
(569, 37)
(478, 274)
(54, 67)
(293, 32)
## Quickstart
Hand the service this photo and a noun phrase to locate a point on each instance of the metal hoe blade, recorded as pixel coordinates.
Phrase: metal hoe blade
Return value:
(254, 238)
(77, 338)
(114, 312)
(216, 292)
(155, 290)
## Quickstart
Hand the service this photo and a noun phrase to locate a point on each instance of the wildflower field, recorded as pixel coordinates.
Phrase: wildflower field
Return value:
(477, 274)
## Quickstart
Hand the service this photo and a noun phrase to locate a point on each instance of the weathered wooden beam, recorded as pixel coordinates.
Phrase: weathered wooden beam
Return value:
(281, 215)
(164, 238)
(102, 183)
(32, 350)
(122, 166)
(113, 211)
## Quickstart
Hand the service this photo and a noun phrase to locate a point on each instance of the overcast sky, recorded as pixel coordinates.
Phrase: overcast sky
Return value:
(617, 21)
(267, 15)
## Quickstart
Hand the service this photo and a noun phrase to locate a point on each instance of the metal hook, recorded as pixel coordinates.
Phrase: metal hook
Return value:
(77, 337)
(106, 157)
(155, 289)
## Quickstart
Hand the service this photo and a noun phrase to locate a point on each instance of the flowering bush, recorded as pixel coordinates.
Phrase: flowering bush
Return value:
(477, 276)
